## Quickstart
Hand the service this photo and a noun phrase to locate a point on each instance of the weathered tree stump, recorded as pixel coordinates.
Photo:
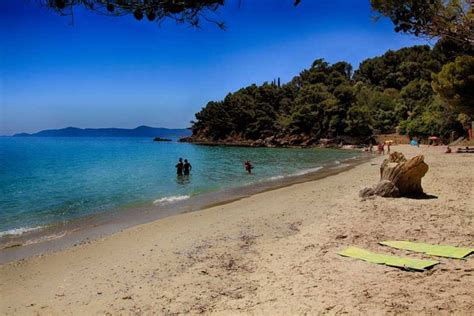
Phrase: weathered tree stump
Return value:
(399, 177)
(386, 188)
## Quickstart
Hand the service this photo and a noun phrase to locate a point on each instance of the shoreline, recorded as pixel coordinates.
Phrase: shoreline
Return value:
(309, 143)
(274, 252)
(59, 236)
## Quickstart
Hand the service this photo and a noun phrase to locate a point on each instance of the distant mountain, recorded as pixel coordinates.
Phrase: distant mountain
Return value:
(141, 131)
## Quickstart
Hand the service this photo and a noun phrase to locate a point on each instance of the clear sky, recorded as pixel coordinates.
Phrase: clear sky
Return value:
(119, 72)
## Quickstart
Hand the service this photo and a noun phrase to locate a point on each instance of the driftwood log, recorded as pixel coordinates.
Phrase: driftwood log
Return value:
(399, 177)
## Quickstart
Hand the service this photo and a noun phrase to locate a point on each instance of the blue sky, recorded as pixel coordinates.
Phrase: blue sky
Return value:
(119, 72)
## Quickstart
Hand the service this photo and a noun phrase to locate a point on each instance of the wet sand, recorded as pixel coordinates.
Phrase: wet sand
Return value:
(269, 253)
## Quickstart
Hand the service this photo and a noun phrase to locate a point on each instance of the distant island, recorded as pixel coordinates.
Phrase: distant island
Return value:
(141, 131)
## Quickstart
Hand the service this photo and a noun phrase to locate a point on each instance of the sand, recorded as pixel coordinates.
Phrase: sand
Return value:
(271, 253)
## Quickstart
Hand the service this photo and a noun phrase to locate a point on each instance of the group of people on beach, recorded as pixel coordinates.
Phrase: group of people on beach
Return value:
(380, 148)
(183, 168)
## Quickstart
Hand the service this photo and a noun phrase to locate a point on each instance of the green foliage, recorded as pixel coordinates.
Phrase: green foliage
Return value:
(434, 119)
(397, 69)
(455, 84)
(450, 19)
(389, 93)
(465, 120)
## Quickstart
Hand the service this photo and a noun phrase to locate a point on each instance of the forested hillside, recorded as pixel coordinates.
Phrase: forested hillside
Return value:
(389, 93)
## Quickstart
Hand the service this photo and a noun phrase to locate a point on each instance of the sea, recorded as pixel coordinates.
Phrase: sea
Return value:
(46, 182)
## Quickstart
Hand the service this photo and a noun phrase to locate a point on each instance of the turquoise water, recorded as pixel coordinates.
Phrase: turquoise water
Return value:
(50, 180)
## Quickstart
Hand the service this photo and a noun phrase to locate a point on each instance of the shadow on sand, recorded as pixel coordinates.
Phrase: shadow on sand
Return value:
(423, 196)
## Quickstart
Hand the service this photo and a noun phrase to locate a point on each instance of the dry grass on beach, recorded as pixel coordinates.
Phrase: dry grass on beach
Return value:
(272, 253)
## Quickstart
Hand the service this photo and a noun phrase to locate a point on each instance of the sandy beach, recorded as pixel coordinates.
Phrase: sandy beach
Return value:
(271, 253)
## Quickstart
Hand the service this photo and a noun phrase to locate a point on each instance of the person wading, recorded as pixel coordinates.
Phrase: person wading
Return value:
(248, 166)
(187, 167)
(179, 167)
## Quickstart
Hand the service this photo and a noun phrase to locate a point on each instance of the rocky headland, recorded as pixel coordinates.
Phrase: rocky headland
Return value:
(283, 140)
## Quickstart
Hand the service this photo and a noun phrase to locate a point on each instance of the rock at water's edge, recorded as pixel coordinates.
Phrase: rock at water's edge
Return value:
(159, 139)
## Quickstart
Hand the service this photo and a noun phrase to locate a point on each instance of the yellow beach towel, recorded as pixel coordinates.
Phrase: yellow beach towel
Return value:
(393, 261)
(434, 250)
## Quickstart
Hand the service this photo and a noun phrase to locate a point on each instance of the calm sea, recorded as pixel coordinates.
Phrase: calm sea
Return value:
(44, 181)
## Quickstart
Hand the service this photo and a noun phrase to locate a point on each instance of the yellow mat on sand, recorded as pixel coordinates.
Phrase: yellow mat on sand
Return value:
(393, 261)
(433, 250)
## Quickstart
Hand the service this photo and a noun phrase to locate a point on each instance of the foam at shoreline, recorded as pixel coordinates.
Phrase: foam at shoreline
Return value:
(171, 199)
(299, 173)
(18, 231)
(307, 171)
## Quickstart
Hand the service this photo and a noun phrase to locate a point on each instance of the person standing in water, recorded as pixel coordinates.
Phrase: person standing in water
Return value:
(248, 166)
(379, 148)
(187, 167)
(179, 167)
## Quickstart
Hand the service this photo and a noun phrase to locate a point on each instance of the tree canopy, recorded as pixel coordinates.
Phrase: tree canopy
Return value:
(453, 19)
(455, 84)
(430, 18)
(183, 11)
(191, 12)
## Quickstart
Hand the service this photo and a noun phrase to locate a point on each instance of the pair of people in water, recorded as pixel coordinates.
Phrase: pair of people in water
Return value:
(183, 168)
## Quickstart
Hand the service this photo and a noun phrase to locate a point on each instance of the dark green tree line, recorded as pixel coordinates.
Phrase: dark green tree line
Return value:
(393, 92)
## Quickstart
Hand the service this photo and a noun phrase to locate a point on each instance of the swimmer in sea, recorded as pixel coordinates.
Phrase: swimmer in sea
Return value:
(248, 166)
(179, 167)
(187, 167)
